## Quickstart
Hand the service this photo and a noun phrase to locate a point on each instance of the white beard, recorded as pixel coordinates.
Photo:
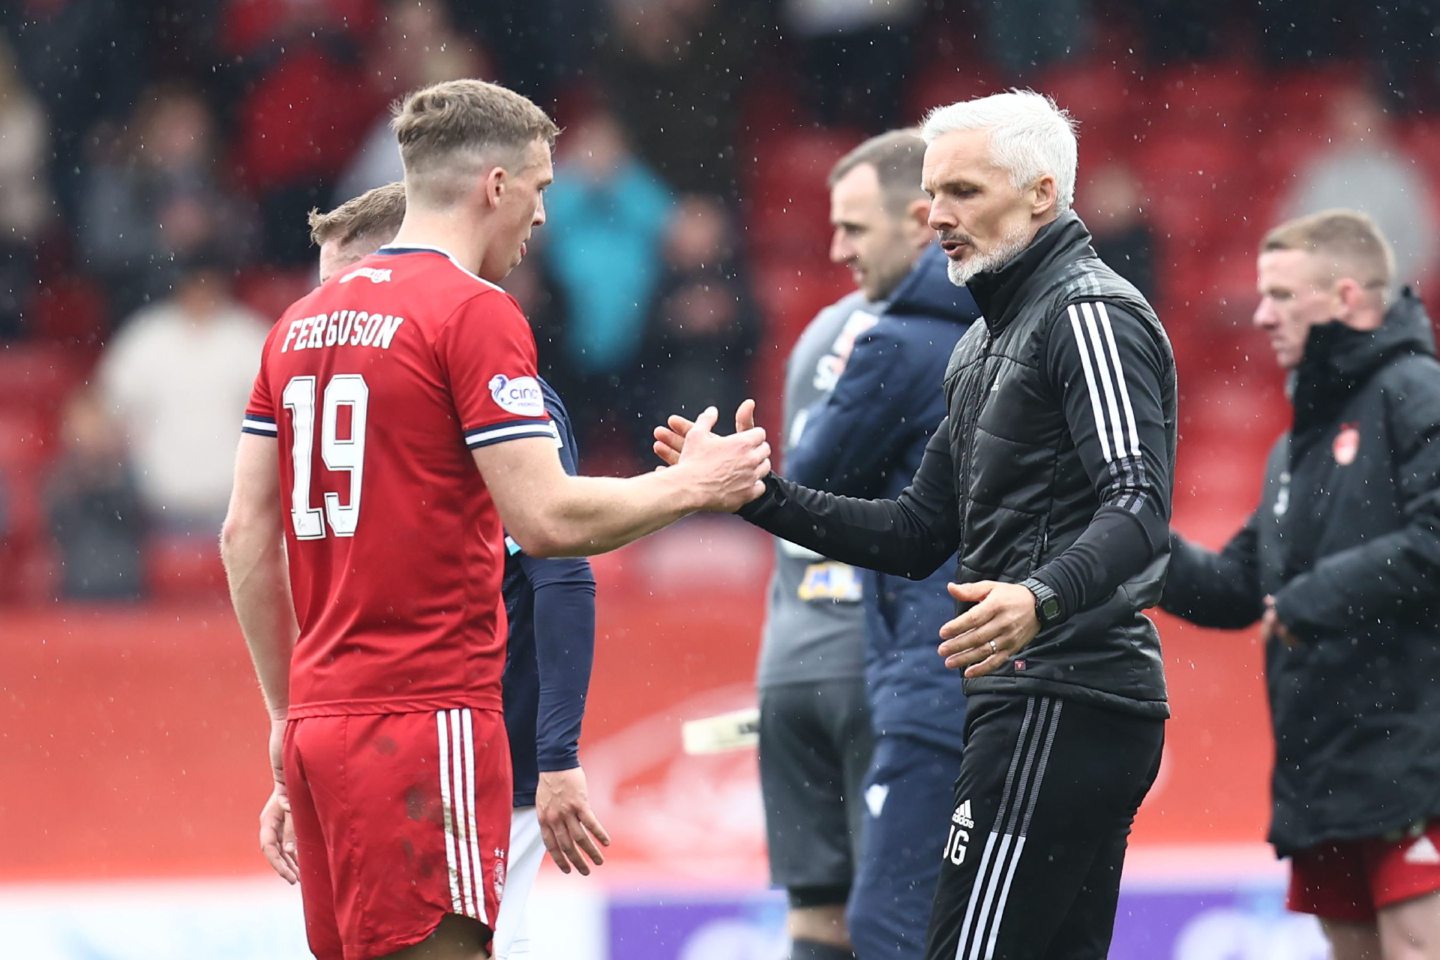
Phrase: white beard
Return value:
(1007, 249)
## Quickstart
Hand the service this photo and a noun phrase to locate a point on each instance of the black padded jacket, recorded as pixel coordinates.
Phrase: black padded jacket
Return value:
(1346, 538)
(1055, 461)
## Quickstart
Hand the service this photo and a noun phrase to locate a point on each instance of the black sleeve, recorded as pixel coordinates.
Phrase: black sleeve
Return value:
(1397, 571)
(564, 628)
(1109, 370)
(1215, 589)
(908, 537)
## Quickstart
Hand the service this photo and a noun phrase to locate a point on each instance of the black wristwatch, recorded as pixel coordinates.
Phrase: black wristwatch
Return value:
(1047, 603)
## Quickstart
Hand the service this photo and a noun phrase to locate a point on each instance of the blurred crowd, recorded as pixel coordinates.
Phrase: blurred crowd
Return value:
(157, 160)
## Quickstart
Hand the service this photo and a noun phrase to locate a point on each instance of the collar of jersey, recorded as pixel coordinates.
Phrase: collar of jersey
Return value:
(390, 250)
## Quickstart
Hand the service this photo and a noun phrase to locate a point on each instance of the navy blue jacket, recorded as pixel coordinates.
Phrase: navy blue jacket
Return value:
(866, 440)
(551, 607)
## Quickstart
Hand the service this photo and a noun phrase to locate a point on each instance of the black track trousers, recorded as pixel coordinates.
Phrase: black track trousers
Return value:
(1033, 851)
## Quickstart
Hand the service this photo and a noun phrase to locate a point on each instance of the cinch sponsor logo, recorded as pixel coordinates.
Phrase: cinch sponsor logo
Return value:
(373, 274)
(354, 328)
(521, 395)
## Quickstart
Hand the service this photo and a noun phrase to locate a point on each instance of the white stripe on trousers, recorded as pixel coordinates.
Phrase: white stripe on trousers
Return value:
(457, 795)
(991, 889)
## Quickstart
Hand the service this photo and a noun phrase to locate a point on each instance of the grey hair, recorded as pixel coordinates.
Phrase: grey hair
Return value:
(1029, 137)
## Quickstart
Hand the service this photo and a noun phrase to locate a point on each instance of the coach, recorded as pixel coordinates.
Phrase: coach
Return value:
(1051, 474)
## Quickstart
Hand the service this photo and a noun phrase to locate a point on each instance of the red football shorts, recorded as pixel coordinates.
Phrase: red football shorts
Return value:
(399, 820)
(1353, 879)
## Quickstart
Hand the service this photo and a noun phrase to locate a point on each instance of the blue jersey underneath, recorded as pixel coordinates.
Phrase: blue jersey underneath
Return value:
(551, 607)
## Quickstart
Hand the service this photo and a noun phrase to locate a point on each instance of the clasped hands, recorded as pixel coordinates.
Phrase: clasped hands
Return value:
(979, 641)
(727, 470)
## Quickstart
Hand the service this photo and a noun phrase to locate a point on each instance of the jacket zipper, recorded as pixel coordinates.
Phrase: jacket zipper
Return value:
(971, 400)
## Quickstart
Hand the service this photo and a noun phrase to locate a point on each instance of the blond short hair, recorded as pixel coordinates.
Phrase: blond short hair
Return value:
(375, 214)
(1347, 241)
(448, 131)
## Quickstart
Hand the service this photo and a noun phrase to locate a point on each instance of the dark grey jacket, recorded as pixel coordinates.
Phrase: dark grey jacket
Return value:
(1055, 461)
(1347, 540)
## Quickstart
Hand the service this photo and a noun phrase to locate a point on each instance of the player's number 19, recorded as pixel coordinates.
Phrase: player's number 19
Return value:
(339, 454)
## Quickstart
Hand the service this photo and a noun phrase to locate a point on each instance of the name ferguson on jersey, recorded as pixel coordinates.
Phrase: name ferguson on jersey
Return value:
(341, 328)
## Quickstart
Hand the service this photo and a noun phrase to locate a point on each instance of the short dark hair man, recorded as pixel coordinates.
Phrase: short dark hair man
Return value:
(870, 370)
(1340, 563)
(1051, 474)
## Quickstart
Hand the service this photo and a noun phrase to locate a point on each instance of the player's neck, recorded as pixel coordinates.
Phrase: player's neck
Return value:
(446, 231)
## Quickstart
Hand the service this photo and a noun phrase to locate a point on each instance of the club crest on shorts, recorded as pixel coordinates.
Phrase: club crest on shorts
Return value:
(1346, 445)
(519, 395)
(499, 874)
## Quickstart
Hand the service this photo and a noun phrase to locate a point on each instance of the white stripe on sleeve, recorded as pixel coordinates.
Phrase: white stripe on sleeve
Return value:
(1102, 368)
(1081, 346)
(1120, 379)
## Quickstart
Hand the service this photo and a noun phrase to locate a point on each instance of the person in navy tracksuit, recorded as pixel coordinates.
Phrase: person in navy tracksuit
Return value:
(550, 604)
(866, 440)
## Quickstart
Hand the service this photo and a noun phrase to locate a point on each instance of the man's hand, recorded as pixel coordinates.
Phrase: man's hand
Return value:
(670, 439)
(1272, 628)
(724, 472)
(277, 833)
(1000, 625)
(568, 826)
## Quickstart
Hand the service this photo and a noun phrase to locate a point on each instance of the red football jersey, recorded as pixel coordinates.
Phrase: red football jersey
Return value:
(378, 385)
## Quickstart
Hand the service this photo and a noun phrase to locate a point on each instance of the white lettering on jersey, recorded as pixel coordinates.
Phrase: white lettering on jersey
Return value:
(372, 274)
(521, 396)
(829, 367)
(342, 328)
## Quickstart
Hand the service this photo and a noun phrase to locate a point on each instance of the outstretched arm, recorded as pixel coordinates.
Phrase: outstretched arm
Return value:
(550, 513)
(908, 537)
(1215, 589)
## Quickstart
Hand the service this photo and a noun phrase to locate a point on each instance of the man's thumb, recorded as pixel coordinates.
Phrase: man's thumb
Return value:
(745, 416)
(970, 592)
(706, 421)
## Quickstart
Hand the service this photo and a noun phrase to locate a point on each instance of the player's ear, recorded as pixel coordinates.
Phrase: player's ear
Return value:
(494, 186)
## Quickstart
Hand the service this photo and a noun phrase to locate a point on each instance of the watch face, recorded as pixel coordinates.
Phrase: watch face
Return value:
(1050, 608)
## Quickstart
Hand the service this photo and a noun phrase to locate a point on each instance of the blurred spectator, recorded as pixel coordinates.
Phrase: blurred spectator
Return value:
(154, 195)
(677, 66)
(1025, 36)
(24, 192)
(304, 100)
(93, 505)
(415, 46)
(176, 379)
(1115, 212)
(705, 325)
(533, 287)
(1177, 31)
(853, 56)
(1405, 43)
(1363, 167)
(1298, 33)
(85, 60)
(542, 47)
(607, 213)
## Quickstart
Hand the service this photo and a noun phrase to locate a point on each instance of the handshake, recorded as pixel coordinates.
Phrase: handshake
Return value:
(722, 473)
